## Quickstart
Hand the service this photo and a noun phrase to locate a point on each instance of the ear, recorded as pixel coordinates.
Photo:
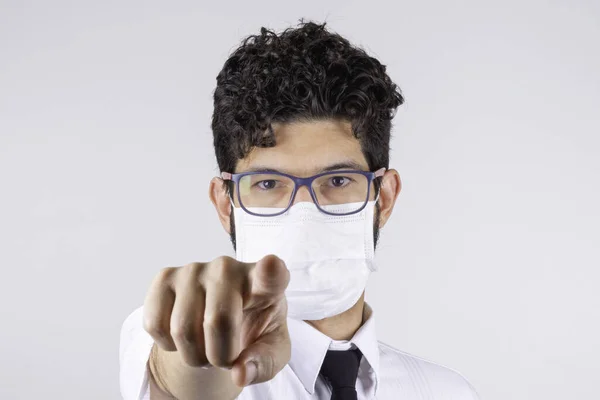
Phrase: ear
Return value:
(389, 191)
(218, 196)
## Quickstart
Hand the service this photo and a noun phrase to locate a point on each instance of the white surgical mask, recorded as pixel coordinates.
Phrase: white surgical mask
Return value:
(330, 257)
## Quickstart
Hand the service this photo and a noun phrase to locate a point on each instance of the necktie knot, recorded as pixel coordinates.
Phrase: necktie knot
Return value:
(340, 368)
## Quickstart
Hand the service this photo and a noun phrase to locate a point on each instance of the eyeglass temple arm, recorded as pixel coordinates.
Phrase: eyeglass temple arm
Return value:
(380, 172)
(226, 176)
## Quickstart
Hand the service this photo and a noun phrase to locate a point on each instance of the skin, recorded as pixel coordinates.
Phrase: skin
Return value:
(209, 319)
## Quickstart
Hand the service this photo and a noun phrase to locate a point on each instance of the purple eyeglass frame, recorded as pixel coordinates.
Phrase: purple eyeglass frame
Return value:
(299, 182)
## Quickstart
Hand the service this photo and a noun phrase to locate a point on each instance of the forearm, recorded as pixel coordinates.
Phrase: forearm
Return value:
(170, 378)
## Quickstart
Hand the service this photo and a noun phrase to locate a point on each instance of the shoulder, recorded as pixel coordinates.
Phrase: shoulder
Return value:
(422, 375)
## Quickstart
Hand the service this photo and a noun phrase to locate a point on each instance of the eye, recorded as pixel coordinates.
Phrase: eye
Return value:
(339, 181)
(267, 184)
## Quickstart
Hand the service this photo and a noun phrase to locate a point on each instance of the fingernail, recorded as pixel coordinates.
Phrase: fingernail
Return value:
(251, 372)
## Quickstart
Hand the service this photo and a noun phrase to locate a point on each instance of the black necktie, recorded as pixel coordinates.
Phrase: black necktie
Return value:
(340, 368)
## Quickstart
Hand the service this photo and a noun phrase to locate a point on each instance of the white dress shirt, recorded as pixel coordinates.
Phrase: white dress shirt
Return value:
(384, 372)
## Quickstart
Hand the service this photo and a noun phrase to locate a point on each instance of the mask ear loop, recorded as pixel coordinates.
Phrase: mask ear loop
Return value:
(230, 196)
(379, 174)
(378, 192)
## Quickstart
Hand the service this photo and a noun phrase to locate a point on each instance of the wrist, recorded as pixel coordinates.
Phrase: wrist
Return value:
(156, 382)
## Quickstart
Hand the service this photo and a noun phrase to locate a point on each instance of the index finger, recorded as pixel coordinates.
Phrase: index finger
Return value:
(268, 278)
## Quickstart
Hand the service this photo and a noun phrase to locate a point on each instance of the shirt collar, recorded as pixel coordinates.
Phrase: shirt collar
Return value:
(309, 347)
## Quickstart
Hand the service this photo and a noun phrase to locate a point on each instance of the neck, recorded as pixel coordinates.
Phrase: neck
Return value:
(342, 326)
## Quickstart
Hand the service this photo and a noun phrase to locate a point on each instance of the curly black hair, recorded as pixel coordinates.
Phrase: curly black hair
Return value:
(305, 73)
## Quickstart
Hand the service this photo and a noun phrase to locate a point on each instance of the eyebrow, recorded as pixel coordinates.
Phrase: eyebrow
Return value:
(332, 167)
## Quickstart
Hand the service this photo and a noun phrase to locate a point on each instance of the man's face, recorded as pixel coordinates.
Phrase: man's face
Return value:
(304, 149)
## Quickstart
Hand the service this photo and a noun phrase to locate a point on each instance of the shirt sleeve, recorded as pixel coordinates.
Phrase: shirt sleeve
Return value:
(134, 351)
(462, 388)
(472, 393)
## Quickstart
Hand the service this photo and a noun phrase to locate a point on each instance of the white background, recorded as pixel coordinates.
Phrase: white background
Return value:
(489, 264)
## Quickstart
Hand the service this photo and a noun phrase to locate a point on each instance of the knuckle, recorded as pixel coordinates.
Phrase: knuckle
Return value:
(224, 259)
(154, 328)
(194, 269)
(165, 274)
(219, 321)
(223, 268)
(188, 274)
(183, 332)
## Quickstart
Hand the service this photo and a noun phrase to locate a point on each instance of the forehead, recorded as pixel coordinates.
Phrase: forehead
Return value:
(306, 148)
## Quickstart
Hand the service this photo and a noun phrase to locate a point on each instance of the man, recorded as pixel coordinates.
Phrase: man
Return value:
(301, 128)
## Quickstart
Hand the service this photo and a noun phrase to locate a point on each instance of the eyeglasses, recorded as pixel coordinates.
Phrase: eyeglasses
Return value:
(270, 194)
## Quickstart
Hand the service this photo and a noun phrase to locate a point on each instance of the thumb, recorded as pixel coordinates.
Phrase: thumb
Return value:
(262, 360)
